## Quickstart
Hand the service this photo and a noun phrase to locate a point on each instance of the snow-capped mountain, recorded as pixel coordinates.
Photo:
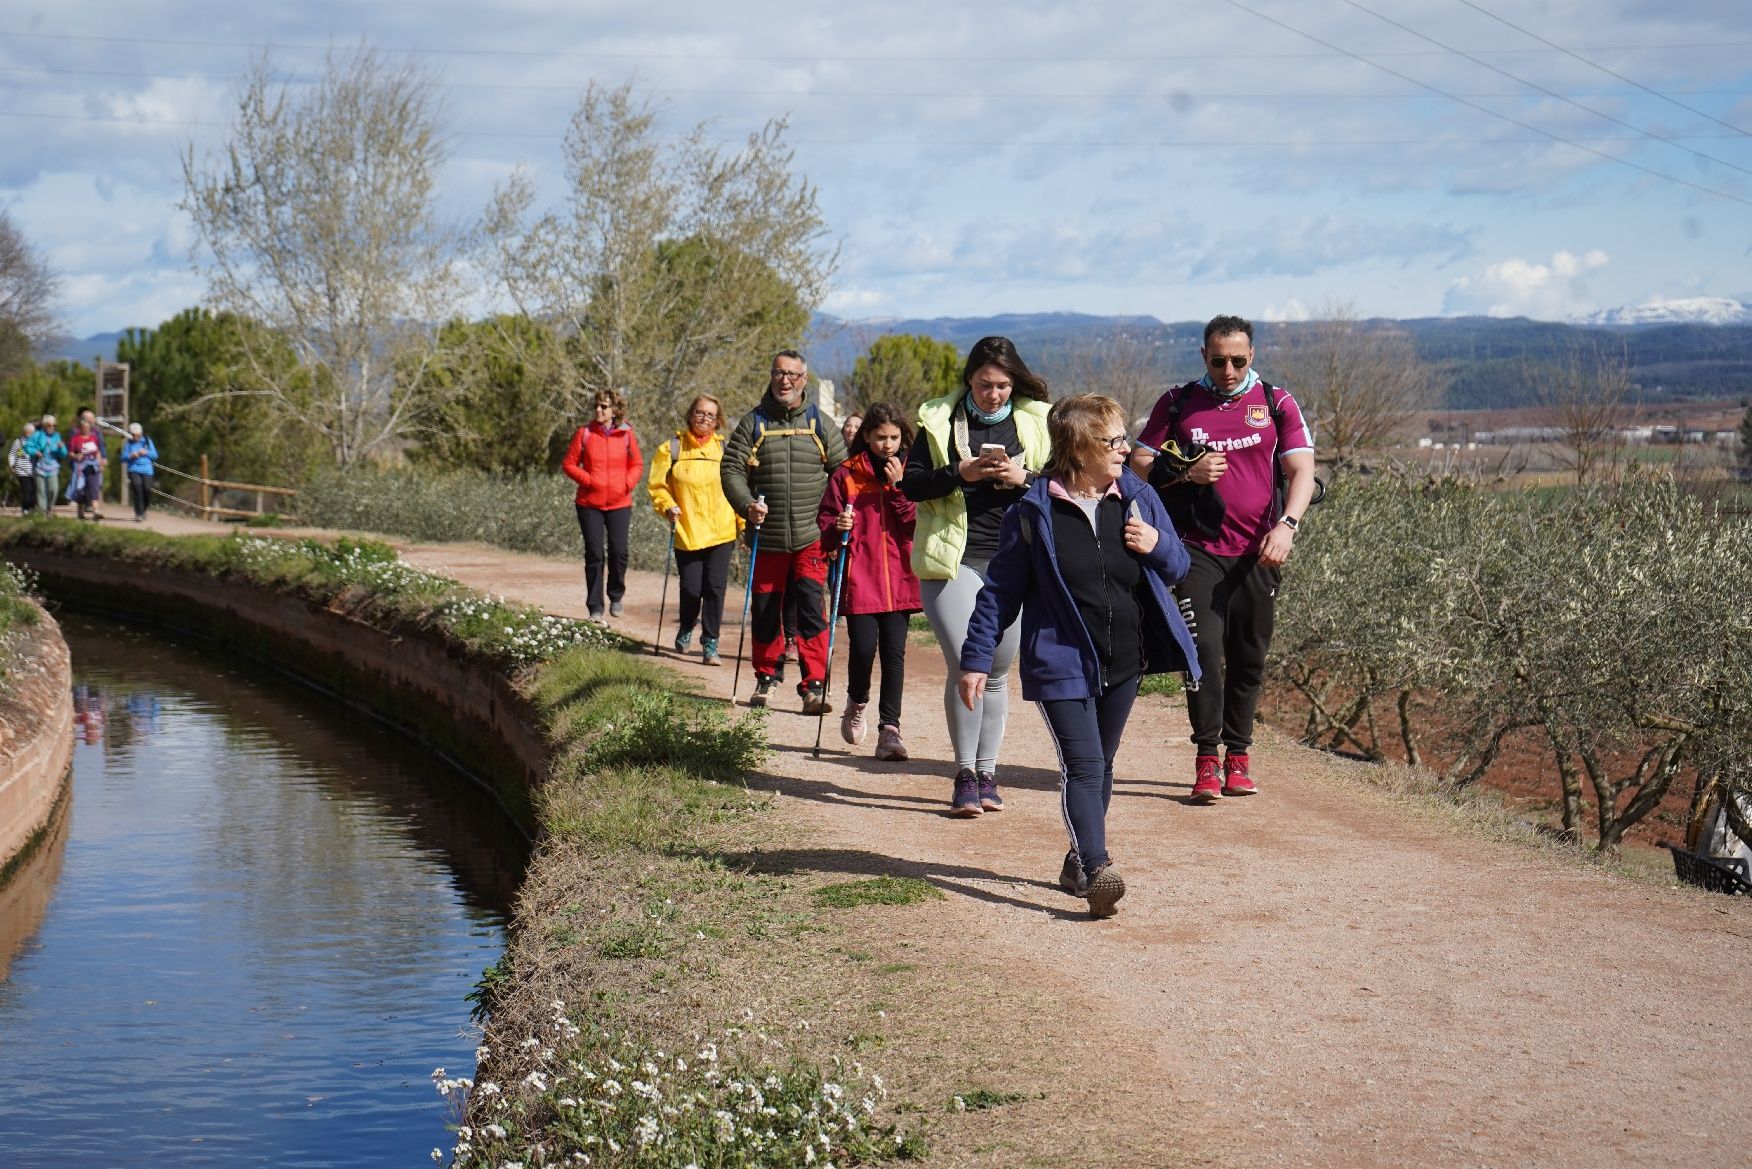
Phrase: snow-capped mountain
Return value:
(1685, 310)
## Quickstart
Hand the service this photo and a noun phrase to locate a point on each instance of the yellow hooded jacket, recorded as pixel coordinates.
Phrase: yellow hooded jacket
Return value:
(684, 474)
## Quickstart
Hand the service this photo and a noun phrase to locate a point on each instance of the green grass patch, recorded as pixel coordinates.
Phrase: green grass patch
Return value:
(1161, 684)
(877, 891)
(980, 1099)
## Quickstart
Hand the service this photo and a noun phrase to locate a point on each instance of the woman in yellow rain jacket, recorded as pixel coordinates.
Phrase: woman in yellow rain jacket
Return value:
(685, 490)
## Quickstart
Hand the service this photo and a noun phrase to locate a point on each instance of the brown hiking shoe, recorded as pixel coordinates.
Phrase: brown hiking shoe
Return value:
(1106, 887)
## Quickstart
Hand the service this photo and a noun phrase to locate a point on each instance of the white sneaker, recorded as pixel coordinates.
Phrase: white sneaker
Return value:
(852, 724)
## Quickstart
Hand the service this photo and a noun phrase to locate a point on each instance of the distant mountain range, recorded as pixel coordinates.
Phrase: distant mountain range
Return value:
(1694, 348)
(1696, 310)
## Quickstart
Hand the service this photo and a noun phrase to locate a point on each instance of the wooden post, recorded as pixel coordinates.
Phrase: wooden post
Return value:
(206, 491)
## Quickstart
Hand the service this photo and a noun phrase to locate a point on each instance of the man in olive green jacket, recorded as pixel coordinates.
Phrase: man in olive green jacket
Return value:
(784, 450)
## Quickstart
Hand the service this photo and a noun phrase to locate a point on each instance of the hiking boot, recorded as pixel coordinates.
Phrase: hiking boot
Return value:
(815, 698)
(853, 726)
(709, 651)
(1072, 878)
(1235, 779)
(779, 671)
(1105, 889)
(1206, 787)
(888, 745)
(764, 684)
(989, 799)
(683, 640)
(964, 803)
(616, 608)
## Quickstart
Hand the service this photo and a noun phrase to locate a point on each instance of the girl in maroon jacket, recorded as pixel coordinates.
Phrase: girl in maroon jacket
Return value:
(604, 461)
(880, 591)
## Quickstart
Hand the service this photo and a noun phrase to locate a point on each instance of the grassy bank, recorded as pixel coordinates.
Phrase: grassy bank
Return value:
(673, 993)
(16, 613)
(522, 513)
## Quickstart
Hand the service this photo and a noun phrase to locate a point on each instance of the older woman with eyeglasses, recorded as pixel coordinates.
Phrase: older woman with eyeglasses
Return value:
(686, 490)
(604, 461)
(1088, 560)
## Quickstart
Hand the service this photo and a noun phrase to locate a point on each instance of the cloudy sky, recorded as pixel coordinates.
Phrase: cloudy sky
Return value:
(1414, 157)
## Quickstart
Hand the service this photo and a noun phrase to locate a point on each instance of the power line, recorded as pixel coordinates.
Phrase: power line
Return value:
(1596, 65)
(957, 143)
(1470, 104)
(1534, 85)
(1201, 95)
(793, 57)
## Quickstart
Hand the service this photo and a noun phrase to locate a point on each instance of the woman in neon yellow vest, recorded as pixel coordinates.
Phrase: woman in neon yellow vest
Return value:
(977, 452)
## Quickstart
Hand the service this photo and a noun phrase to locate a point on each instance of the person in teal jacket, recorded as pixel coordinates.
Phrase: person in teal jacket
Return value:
(139, 460)
(48, 450)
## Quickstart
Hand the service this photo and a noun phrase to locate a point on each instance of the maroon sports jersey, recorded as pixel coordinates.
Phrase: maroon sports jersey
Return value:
(1242, 430)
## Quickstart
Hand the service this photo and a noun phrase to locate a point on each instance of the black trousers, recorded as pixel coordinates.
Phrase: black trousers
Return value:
(27, 493)
(1233, 600)
(866, 632)
(704, 575)
(600, 527)
(140, 487)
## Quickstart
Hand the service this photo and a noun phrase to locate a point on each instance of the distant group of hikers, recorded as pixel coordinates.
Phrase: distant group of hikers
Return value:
(1029, 533)
(38, 453)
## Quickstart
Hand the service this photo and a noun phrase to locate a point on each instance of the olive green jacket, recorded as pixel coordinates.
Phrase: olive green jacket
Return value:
(941, 535)
(791, 470)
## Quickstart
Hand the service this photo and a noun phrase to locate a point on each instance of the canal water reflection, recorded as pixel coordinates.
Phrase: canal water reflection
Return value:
(249, 941)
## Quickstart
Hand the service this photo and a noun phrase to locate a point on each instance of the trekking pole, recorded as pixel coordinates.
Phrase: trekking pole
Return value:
(839, 579)
(657, 646)
(747, 594)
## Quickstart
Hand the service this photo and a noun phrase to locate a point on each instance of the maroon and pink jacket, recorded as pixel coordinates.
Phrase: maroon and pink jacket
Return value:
(605, 464)
(879, 576)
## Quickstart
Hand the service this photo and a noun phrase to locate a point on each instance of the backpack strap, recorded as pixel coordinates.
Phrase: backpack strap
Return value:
(812, 414)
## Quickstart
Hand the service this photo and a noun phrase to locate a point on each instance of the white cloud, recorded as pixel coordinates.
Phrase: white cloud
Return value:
(1290, 310)
(1524, 288)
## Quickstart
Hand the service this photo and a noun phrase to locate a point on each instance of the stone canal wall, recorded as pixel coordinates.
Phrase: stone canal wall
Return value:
(452, 703)
(36, 738)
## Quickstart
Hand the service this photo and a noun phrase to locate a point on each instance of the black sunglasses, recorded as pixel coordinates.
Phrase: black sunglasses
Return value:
(1234, 362)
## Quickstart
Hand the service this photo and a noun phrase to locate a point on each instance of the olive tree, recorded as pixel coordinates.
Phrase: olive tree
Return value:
(668, 266)
(319, 221)
(906, 369)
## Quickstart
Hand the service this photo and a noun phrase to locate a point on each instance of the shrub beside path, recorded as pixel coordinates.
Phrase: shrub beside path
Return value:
(1317, 976)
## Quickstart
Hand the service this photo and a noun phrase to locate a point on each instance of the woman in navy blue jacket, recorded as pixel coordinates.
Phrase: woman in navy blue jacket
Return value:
(1089, 559)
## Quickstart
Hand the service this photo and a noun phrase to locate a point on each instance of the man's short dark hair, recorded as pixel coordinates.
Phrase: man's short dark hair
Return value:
(1222, 326)
(793, 355)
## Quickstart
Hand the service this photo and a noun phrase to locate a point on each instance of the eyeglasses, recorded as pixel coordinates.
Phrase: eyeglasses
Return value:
(790, 375)
(704, 415)
(1234, 362)
(1117, 443)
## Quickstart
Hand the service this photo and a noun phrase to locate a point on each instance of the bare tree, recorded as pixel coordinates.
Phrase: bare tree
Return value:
(1359, 382)
(319, 220)
(1122, 365)
(1586, 390)
(669, 266)
(28, 316)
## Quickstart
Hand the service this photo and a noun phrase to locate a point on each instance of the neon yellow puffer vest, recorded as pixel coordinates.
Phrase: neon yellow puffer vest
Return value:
(941, 536)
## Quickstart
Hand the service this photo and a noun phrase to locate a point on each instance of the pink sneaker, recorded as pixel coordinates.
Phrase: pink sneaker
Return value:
(1206, 787)
(1235, 780)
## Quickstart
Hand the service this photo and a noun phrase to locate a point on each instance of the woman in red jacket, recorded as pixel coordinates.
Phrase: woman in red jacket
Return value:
(604, 461)
(880, 591)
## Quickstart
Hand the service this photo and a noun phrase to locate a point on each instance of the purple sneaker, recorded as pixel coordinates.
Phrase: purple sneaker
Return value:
(965, 803)
(989, 799)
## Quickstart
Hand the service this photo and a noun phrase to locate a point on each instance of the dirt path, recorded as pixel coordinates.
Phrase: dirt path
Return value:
(1327, 978)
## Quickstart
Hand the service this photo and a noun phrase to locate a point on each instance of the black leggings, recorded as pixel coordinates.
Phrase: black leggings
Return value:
(596, 524)
(704, 574)
(867, 631)
(140, 487)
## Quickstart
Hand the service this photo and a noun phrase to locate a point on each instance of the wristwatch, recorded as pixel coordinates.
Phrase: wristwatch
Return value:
(1290, 522)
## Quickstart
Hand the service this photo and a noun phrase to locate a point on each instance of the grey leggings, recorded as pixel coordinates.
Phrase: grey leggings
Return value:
(976, 735)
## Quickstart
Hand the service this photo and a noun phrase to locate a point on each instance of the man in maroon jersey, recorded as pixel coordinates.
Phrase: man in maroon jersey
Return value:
(1250, 446)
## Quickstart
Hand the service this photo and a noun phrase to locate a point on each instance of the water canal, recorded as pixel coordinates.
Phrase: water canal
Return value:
(249, 940)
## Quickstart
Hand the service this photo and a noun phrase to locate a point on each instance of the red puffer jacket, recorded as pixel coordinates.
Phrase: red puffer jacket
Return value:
(879, 577)
(605, 464)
